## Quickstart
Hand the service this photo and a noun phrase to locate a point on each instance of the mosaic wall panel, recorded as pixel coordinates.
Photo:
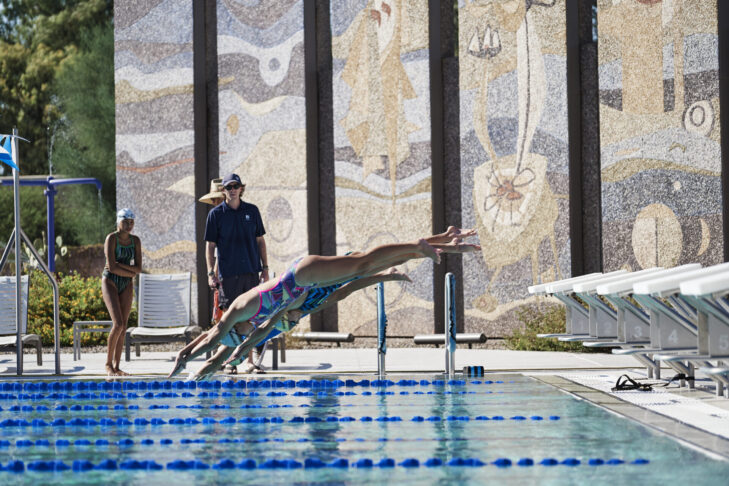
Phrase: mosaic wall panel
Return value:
(262, 116)
(514, 153)
(382, 158)
(659, 133)
(154, 129)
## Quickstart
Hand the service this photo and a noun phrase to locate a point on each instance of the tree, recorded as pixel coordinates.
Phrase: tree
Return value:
(35, 37)
(84, 145)
(43, 43)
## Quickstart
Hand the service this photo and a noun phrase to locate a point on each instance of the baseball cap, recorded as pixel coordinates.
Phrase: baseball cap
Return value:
(231, 178)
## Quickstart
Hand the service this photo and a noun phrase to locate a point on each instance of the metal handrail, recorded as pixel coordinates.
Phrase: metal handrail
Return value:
(14, 241)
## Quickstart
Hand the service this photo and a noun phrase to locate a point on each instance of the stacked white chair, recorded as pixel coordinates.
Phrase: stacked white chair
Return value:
(164, 311)
(8, 316)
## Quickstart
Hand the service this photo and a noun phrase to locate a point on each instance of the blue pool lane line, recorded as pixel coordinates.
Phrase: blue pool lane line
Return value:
(127, 442)
(131, 396)
(18, 466)
(156, 421)
(212, 394)
(229, 384)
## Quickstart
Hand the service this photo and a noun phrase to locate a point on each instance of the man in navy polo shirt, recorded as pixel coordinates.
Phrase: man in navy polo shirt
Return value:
(235, 229)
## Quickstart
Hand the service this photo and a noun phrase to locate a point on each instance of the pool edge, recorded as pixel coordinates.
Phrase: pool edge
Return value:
(684, 433)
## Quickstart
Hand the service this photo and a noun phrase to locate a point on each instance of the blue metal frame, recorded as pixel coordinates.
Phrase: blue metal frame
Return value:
(50, 183)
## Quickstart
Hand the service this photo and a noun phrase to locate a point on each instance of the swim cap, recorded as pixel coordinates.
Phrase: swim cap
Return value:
(124, 213)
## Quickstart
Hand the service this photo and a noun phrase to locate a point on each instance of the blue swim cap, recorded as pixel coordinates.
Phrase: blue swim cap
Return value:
(124, 213)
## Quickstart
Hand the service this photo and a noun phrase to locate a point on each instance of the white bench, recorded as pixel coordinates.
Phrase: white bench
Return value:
(576, 316)
(604, 319)
(575, 306)
(709, 296)
(633, 321)
(674, 321)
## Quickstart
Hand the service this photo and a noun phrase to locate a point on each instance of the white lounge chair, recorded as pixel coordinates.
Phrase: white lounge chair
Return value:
(164, 311)
(8, 336)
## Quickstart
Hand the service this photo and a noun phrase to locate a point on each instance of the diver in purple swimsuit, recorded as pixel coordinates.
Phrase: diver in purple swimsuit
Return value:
(308, 303)
(259, 304)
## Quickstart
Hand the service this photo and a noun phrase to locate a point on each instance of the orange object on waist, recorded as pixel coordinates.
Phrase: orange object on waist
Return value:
(217, 311)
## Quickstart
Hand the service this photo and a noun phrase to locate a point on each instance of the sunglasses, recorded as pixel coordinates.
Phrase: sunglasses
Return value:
(233, 187)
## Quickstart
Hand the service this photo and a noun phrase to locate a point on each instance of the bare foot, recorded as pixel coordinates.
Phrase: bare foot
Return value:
(110, 371)
(429, 251)
(452, 231)
(121, 373)
(457, 246)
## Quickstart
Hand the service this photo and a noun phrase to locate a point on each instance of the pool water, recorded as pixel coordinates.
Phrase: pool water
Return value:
(505, 429)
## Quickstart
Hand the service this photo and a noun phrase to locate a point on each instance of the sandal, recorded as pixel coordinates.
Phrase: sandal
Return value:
(254, 369)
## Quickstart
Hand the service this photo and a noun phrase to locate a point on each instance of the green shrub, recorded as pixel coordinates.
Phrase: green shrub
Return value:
(547, 319)
(80, 299)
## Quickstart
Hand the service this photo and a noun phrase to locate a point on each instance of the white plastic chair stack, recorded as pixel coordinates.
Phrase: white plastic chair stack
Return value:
(164, 311)
(8, 336)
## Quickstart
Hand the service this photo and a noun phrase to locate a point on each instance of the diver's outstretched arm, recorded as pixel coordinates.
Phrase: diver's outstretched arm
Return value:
(242, 309)
(254, 338)
(214, 363)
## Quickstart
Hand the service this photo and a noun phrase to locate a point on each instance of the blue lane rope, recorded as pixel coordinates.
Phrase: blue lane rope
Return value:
(164, 389)
(154, 396)
(84, 444)
(216, 406)
(78, 466)
(15, 386)
(156, 421)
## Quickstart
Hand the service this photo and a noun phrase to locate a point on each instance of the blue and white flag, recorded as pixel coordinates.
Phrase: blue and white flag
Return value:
(6, 152)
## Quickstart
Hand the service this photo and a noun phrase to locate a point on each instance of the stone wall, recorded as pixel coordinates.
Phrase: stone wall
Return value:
(659, 133)
(262, 116)
(382, 161)
(340, 91)
(153, 79)
(514, 153)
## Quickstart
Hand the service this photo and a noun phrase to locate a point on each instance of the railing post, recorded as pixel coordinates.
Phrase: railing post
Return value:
(18, 257)
(381, 330)
(450, 322)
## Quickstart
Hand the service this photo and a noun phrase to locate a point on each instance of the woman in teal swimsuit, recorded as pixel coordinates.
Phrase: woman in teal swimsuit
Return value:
(120, 249)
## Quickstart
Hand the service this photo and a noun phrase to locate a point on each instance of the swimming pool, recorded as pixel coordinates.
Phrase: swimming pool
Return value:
(505, 429)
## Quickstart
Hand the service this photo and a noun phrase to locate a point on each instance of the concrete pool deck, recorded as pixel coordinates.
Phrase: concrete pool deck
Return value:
(335, 360)
(696, 417)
